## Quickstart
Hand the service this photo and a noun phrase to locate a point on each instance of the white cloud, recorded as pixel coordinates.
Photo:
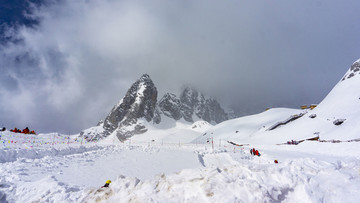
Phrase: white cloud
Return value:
(79, 61)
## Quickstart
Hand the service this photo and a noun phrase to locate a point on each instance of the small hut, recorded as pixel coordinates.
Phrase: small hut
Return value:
(312, 106)
(304, 107)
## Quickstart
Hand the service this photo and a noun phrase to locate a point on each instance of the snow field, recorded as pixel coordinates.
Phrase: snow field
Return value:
(299, 180)
(143, 170)
(160, 172)
(65, 177)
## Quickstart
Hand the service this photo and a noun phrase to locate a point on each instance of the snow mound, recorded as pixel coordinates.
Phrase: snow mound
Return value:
(201, 126)
(48, 189)
(93, 133)
(290, 181)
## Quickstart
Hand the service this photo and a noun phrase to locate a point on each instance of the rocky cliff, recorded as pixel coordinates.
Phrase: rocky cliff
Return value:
(192, 105)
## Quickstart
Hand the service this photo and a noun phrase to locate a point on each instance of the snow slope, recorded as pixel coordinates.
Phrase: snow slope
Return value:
(245, 129)
(342, 103)
(168, 131)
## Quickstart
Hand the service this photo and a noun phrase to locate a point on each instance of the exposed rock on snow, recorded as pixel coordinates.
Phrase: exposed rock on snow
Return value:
(94, 133)
(312, 116)
(354, 70)
(201, 126)
(170, 106)
(288, 120)
(140, 101)
(338, 121)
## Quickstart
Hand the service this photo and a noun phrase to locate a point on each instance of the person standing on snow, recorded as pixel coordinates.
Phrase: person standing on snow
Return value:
(107, 183)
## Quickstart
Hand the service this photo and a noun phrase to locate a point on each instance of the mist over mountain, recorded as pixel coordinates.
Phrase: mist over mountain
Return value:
(140, 105)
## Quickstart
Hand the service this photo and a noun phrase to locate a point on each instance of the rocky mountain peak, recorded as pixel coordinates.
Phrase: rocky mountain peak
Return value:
(145, 78)
(140, 105)
(139, 102)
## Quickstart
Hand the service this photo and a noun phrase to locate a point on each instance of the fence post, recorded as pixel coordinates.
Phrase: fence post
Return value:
(212, 143)
(53, 140)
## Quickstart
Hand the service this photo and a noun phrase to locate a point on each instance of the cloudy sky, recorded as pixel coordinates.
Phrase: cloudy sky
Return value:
(65, 63)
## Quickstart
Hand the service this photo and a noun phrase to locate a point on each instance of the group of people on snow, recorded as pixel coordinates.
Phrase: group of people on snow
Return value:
(24, 131)
(254, 152)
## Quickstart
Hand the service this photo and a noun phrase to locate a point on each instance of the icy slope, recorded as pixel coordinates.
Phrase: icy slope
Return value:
(245, 129)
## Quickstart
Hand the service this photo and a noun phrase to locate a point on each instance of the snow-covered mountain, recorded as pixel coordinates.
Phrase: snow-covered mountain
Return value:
(140, 110)
(139, 102)
(335, 118)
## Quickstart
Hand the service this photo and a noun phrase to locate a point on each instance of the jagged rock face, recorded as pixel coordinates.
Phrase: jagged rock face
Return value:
(170, 106)
(213, 112)
(207, 109)
(192, 103)
(157, 115)
(139, 102)
(189, 100)
(354, 70)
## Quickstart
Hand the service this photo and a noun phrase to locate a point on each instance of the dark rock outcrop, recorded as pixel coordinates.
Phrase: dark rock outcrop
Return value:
(354, 70)
(139, 102)
(170, 106)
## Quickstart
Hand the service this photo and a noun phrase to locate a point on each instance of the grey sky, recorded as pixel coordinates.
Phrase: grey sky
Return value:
(67, 72)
